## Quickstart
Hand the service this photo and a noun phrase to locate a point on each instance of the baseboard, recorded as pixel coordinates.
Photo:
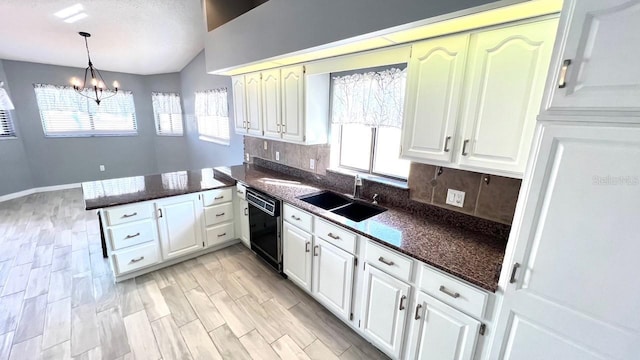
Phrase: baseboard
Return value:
(22, 193)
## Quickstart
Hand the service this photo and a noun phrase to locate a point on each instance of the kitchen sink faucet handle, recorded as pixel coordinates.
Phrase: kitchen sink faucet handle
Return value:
(375, 198)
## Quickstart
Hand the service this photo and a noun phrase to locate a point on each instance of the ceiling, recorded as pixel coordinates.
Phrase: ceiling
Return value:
(132, 36)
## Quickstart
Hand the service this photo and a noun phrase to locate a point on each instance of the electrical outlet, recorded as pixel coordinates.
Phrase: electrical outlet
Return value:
(265, 144)
(312, 164)
(246, 157)
(455, 197)
(102, 168)
(277, 155)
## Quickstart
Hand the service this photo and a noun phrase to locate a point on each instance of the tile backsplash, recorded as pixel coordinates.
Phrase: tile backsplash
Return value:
(487, 197)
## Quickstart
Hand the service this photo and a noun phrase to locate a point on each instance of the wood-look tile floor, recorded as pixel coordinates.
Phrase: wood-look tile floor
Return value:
(58, 299)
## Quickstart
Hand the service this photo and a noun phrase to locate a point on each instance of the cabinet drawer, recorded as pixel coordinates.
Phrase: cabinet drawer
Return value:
(298, 218)
(136, 258)
(241, 190)
(220, 233)
(336, 235)
(388, 261)
(130, 234)
(453, 292)
(218, 214)
(129, 213)
(218, 196)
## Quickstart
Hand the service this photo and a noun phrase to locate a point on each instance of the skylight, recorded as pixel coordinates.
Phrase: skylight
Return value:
(72, 13)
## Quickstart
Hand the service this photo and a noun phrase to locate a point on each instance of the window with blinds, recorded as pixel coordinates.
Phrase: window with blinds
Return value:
(167, 113)
(6, 125)
(212, 114)
(65, 113)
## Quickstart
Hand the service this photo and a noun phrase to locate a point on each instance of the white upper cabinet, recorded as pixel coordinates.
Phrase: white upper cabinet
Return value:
(434, 84)
(253, 98)
(271, 103)
(595, 70)
(292, 87)
(239, 104)
(180, 225)
(505, 81)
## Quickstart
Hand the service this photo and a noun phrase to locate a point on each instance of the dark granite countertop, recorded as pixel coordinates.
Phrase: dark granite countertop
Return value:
(113, 192)
(471, 256)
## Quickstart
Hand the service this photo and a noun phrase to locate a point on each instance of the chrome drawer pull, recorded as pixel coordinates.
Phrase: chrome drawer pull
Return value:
(218, 197)
(315, 250)
(402, 299)
(454, 295)
(417, 315)
(132, 236)
(240, 192)
(295, 218)
(246, 211)
(221, 214)
(335, 237)
(223, 234)
(129, 215)
(133, 261)
(386, 262)
(306, 246)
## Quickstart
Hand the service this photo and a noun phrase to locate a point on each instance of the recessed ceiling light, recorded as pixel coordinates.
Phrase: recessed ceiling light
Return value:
(68, 11)
(75, 18)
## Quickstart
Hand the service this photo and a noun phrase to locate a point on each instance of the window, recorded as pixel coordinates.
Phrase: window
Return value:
(212, 113)
(64, 112)
(367, 109)
(6, 125)
(167, 113)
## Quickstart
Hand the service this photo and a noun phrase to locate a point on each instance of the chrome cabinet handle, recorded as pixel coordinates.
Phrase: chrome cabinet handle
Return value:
(129, 215)
(514, 270)
(315, 250)
(417, 315)
(402, 299)
(218, 198)
(240, 192)
(446, 144)
(335, 237)
(132, 236)
(306, 246)
(296, 218)
(562, 80)
(464, 147)
(221, 214)
(223, 234)
(160, 211)
(386, 262)
(246, 211)
(133, 261)
(454, 295)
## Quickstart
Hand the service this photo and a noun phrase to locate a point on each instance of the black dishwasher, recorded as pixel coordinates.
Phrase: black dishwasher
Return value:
(264, 227)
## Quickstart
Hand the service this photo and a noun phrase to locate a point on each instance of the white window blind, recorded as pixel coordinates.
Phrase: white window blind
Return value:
(66, 113)
(167, 112)
(6, 125)
(212, 113)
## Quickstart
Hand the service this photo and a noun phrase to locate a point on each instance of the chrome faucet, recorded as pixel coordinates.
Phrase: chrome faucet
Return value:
(375, 199)
(357, 187)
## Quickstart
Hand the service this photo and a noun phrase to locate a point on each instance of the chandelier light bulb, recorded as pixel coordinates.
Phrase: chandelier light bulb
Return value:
(116, 85)
(94, 82)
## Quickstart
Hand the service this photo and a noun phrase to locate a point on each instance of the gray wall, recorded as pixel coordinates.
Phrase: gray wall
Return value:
(202, 153)
(283, 26)
(15, 173)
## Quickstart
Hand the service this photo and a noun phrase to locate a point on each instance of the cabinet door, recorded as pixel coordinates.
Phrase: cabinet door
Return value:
(253, 91)
(434, 84)
(439, 331)
(576, 288)
(384, 310)
(292, 85)
(239, 104)
(271, 103)
(244, 222)
(505, 77)
(297, 255)
(180, 225)
(600, 39)
(333, 277)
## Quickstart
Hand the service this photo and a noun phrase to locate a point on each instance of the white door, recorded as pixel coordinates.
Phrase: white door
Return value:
(296, 255)
(253, 91)
(239, 104)
(505, 80)
(180, 225)
(271, 103)
(439, 331)
(598, 48)
(333, 277)
(434, 85)
(244, 222)
(292, 85)
(576, 243)
(384, 310)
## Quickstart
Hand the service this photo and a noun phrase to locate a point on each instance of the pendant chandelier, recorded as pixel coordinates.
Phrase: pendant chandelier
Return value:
(93, 86)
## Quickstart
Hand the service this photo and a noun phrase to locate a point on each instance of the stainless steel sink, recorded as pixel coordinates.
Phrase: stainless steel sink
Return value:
(341, 205)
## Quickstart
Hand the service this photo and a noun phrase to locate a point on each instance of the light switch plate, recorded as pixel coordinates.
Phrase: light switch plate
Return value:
(312, 164)
(455, 197)
(102, 168)
(265, 144)
(277, 155)
(246, 156)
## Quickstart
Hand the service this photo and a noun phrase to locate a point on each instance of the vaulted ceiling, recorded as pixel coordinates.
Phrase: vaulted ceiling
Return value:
(133, 36)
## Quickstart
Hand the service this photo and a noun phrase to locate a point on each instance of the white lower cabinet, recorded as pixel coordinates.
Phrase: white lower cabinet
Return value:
(333, 277)
(244, 222)
(439, 331)
(179, 225)
(296, 249)
(384, 310)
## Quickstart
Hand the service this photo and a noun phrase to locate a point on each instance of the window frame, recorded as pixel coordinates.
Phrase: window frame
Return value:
(11, 134)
